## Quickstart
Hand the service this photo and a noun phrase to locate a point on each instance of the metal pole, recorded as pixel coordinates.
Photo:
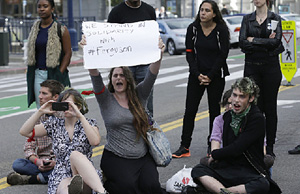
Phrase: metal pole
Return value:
(241, 8)
(80, 8)
(193, 8)
(72, 31)
(109, 6)
(24, 8)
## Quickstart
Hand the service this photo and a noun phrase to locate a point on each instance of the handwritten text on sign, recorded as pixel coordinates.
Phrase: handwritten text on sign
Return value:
(113, 45)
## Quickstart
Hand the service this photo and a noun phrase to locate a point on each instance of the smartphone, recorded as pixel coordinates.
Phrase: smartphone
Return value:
(46, 163)
(60, 106)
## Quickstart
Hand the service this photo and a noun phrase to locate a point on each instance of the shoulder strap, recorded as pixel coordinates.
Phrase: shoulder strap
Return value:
(59, 30)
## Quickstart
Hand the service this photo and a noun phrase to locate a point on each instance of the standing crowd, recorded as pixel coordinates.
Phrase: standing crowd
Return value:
(60, 139)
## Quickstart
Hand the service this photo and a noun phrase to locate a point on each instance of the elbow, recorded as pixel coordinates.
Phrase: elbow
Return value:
(95, 142)
(23, 133)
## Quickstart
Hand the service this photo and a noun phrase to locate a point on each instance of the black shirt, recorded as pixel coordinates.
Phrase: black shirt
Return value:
(125, 14)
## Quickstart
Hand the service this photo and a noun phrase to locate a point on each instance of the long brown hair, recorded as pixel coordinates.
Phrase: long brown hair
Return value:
(140, 118)
(218, 18)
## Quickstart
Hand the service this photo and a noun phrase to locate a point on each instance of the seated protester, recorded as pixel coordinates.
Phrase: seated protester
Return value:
(73, 136)
(31, 169)
(238, 167)
(217, 132)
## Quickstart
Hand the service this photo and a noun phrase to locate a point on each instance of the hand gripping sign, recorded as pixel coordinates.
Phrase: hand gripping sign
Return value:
(113, 45)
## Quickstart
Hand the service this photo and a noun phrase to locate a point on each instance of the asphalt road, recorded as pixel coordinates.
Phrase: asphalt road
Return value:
(169, 104)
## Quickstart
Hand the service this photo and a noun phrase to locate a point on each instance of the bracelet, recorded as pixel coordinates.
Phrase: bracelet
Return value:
(32, 136)
(35, 160)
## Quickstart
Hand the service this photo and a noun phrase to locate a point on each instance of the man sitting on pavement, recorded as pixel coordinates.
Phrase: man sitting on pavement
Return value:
(39, 159)
(238, 167)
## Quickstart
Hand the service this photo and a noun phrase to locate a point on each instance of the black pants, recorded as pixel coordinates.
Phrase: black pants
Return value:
(234, 175)
(268, 78)
(130, 176)
(193, 98)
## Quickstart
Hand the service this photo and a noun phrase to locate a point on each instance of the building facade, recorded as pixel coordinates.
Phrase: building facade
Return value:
(100, 9)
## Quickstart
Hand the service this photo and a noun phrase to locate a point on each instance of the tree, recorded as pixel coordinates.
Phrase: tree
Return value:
(114, 2)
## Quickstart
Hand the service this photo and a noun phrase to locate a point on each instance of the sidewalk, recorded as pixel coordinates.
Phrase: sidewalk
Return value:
(17, 63)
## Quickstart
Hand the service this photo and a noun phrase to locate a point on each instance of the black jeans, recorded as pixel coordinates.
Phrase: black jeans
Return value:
(130, 176)
(268, 78)
(195, 92)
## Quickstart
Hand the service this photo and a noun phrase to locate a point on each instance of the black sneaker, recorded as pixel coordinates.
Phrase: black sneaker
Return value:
(76, 185)
(181, 152)
(194, 190)
(225, 191)
(296, 150)
(17, 179)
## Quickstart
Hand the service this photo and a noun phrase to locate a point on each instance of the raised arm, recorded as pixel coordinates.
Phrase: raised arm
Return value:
(92, 132)
(39, 130)
(154, 67)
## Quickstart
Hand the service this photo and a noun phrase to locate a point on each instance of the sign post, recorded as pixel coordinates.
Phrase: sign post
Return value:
(288, 58)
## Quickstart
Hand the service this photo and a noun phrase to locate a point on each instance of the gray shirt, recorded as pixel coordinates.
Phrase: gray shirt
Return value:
(122, 137)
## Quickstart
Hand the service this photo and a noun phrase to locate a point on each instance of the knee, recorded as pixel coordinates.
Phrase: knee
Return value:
(154, 187)
(18, 164)
(121, 185)
(75, 155)
(264, 185)
(261, 185)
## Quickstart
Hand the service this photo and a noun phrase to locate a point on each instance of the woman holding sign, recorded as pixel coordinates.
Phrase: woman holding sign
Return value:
(260, 40)
(126, 163)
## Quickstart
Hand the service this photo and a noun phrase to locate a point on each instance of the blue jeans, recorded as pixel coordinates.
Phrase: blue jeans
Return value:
(139, 73)
(26, 167)
(40, 76)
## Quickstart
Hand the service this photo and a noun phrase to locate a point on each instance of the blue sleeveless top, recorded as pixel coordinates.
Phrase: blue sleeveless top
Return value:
(40, 47)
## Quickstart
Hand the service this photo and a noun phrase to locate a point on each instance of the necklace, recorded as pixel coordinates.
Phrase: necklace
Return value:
(261, 18)
(133, 7)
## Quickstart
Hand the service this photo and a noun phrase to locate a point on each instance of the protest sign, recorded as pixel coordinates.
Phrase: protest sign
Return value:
(113, 45)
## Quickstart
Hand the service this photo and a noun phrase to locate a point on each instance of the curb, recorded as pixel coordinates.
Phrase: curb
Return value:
(19, 70)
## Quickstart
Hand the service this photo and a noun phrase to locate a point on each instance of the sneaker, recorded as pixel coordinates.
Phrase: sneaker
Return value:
(225, 191)
(296, 150)
(181, 152)
(17, 179)
(194, 190)
(76, 185)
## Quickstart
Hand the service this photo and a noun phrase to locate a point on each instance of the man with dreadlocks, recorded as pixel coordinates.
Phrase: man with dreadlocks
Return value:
(238, 167)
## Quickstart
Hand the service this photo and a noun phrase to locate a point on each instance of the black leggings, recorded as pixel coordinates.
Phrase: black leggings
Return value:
(233, 176)
(130, 176)
(193, 98)
(268, 78)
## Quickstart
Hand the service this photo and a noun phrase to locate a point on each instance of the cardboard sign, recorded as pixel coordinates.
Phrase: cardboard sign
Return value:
(114, 45)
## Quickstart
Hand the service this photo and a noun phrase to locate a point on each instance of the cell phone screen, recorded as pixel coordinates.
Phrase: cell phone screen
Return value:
(46, 163)
(60, 106)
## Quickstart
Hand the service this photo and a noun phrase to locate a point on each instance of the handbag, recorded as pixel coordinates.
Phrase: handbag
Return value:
(180, 180)
(274, 188)
(159, 145)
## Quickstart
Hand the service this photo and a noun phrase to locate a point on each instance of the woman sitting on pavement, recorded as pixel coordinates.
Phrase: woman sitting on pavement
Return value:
(73, 137)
